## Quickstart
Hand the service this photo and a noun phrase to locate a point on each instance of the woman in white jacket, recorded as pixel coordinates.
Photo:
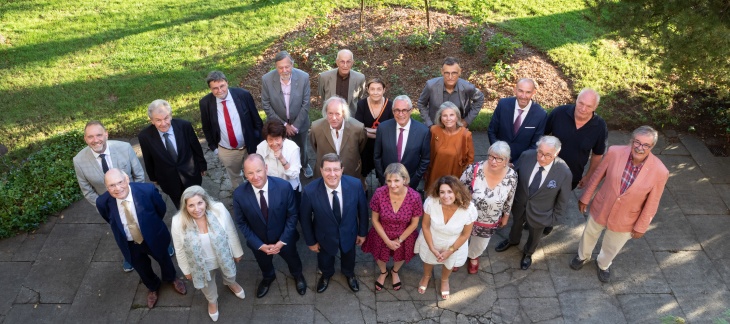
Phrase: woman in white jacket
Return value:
(206, 239)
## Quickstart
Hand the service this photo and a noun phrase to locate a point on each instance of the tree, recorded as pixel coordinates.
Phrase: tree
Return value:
(689, 39)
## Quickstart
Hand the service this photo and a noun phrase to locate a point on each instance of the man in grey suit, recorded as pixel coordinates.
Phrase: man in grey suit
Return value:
(101, 154)
(452, 88)
(543, 189)
(343, 81)
(285, 96)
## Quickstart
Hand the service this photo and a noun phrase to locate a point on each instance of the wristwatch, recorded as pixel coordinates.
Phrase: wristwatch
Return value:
(451, 248)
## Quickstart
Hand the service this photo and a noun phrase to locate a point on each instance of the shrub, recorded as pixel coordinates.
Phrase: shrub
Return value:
(502, 71)
(472, 40)
(500, 47)
(41, 185)
(421, 39)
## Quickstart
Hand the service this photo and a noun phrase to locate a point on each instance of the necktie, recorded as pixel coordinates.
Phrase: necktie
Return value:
(399, 145)
(264, 206)
(229, 127)
(518, 122)
(131, 224)
(169, 147)
(104, 165)
(336, 206)
(535, 184)
(337, 133)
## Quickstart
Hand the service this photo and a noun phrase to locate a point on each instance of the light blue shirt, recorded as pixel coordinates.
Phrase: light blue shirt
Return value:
(172, 138)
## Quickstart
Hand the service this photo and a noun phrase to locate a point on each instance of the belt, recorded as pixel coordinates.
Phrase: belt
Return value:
(237, 149)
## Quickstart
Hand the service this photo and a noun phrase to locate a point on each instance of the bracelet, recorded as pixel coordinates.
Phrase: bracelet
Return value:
(284, 164)
(451, 248)
(399, 240)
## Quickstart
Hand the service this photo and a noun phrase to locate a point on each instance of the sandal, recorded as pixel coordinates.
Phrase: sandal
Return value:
(397, 285)
(379, 286)
(422, 289)
(444, 293)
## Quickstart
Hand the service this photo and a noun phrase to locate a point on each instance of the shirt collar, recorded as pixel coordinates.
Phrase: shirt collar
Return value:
(265, 188)
(228, 97)
(339, 188)
(106, 151)
(169, 131)
(342, 128)
(407, 127)
(527, 108)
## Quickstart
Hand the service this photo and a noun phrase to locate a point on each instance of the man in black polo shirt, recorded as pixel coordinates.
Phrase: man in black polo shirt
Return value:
(582, 132)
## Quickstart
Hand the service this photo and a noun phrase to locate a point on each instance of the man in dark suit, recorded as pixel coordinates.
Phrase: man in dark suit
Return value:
(266, 213)
(450, 87)
(543, 190)
(172, 153)
(334, 216)
(518, 120)
(285, 96)
(231, 124)
(403, 140)
(337, 132)
(134, 212)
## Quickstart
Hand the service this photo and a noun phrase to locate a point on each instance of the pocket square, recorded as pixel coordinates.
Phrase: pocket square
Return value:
(552, 184)
(529, 126)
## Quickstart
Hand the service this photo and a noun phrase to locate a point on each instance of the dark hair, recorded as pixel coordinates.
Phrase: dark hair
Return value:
(451, 61)
(330, 157)
(461, 193)
(375, 80)
(282, 55)
(274, 128)
(215, 76)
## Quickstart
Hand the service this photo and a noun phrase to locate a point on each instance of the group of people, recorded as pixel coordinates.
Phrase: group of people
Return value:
(534, 162)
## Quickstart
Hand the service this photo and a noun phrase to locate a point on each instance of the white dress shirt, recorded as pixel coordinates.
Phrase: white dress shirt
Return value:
(339, 194)
(235, 121)
(107, 157)
(524, 111)
(291, 153)
(265, 188)
(337, 137)
(171, 137)
(545, 171)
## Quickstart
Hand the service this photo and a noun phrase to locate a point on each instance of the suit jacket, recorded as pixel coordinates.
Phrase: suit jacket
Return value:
(319, 224)
(173, 176)
(355, 91)
(250, 119)
(432, 97)
(283, 214)
(90, 175)
(417, 153)
(550, 200)
(272, 99)
(636, 207)
(150, 209)
(531, 129)
(354, 139)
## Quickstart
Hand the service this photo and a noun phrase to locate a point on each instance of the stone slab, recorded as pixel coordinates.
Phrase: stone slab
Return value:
(649, 308)
(566, 279)
(590, 306)
(39, 313)
(470, 295)
(724, 191)
(541, 309)
(30, 248)
(713, 232)
(674, 149)
(696, 148)
(11, 279)
(688, 269)
(670, 230)
(62, 263)
(635, 270)
(159, 315)
(276, 314)
(10, 245)
(347, 307)
(108, 250)
(105, 294)
(618, 137)
(704, 303)
(398, 311)
(723, 267)
(80, 212)
(231, 309)
(717, 170)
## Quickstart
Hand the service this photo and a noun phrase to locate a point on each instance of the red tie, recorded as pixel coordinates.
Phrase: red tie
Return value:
(399, 145)
(229, 127)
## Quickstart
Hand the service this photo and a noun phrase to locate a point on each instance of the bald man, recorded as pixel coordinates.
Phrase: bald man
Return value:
(343, 81)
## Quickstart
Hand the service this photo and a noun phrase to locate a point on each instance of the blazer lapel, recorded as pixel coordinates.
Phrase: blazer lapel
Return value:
(350, 88)
(438, 95)
(619, 169)
(643, 174)
(462, 96)
(116, 217)
(95, 164)
(157, 141)
(179, 140)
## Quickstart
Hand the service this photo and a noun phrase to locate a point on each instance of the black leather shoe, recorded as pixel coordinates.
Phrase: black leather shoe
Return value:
(352, 282)
(577, 263)
(503, 246)
(526, 262)
(603, 275)
(547, 230)
(322, 284)
(301, 285)
(263, 288)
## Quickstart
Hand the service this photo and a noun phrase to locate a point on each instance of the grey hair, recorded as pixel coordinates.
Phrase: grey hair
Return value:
(550, 141)
(330, 157)
(157, 105)
(191, 192)
(343, 105)
(215, 76)
(589, 90)
(94, 122)
(345, 51)
(404, 98)
(531, 81)
(646, 130)
(282, 55)
(399, 170)
(448, 105)
(500, 149)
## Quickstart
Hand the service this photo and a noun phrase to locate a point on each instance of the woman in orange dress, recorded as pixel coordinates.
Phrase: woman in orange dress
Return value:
(452, 149)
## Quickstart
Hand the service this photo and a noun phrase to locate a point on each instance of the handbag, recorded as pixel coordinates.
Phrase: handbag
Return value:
(482, 229)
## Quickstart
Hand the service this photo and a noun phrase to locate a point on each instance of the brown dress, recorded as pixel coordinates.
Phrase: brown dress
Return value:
(450, 154)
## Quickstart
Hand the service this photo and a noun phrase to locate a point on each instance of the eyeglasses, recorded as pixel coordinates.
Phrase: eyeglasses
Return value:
(643, 146)
(402, 111)
(495, 159)
(547, 156)
(329, 170)
(450, 74)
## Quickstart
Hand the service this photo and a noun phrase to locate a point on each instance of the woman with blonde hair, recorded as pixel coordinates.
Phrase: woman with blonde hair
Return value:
(206, 239)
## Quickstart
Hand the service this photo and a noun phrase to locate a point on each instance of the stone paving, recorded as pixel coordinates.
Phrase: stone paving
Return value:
(69, 270)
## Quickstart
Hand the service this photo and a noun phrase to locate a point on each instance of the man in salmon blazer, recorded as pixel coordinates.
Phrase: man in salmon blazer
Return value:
(633, 183)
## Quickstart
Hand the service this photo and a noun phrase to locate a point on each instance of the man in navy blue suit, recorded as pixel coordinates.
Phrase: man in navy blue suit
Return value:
(334, 219)
(266, 213)
(518, 120)
(402, 140)
(135, 211)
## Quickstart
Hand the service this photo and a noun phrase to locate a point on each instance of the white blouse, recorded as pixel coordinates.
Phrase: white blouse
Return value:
(291, 153)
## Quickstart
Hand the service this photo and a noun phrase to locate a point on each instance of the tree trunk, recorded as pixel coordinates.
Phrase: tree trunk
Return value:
(428, 17)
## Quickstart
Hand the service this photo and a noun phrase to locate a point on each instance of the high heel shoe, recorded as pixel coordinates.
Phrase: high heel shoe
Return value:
(422, 288)
(444, 293)
(214, 316)
(379, 286)
(397, 285)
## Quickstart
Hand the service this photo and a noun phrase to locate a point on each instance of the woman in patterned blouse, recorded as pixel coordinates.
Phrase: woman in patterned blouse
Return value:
(493, 184)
